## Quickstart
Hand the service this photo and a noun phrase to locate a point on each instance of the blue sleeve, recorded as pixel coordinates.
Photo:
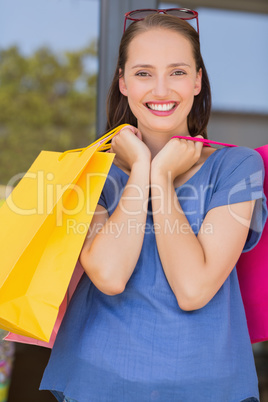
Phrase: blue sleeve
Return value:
(112, 189)
(241, 179)
(102, 200)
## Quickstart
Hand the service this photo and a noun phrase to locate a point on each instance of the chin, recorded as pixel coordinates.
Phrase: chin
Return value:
(166, 127)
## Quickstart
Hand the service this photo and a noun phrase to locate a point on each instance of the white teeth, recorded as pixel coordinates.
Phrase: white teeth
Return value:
(165, 107)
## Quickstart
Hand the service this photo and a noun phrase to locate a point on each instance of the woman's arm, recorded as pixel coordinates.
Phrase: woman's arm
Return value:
(195, 267)
(110, 255)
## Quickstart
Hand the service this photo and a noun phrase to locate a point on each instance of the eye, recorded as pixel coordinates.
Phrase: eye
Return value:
(142, 74)
(179, 72)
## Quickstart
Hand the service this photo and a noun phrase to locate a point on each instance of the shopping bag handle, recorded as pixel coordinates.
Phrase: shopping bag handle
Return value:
(205, 141)
(101, 142)
(103, 146)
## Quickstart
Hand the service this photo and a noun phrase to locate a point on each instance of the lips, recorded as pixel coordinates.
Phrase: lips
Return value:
(162, 108)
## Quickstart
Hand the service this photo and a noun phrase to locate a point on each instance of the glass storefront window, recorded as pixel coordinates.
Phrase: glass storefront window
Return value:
(234, 47)
(48, 79)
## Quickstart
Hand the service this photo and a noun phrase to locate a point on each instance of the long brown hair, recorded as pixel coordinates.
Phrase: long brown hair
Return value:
(118, 110)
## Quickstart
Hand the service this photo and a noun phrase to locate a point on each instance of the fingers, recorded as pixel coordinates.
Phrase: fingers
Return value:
(138, 134)
(134, 130)
(189, 147)
(191, 143)
(199, 144)
(131, 128)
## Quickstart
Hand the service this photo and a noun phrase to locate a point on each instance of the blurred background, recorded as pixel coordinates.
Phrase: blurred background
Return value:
(57, 59)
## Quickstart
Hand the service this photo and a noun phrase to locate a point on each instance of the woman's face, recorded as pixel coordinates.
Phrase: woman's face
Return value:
(160, 81)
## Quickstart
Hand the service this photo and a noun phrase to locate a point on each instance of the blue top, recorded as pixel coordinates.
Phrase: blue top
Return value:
(139, 345)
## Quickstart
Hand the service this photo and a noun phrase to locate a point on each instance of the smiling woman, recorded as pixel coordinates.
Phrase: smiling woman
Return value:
(158, 314)
(191, 68)
(163, 87)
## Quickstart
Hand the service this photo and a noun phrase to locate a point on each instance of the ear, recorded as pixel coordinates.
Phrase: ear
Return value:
(122, 84)
(198, 82)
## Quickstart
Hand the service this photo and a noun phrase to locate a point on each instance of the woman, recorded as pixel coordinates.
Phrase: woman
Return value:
(158, 316)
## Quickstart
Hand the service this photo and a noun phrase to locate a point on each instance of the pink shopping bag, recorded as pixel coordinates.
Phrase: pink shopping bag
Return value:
(252, 271)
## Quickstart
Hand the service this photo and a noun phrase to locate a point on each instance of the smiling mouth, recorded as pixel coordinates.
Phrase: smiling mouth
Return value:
(161, 107)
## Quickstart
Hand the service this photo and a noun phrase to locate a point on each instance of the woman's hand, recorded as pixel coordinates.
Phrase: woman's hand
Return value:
(129, 148)
(177, 157)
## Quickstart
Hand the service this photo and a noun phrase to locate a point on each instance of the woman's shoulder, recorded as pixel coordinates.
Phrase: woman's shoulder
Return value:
(241, 152)
(116, 173)
(119, 171)
(234, 165)
(233, 157)
(116, 180)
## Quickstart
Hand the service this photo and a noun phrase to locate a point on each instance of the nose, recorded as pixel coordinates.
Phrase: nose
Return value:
(161, 87)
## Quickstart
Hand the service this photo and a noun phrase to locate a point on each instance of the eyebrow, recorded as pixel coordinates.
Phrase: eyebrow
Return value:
(170, 65)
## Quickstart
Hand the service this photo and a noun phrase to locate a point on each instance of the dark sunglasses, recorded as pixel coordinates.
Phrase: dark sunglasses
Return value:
(182, 13)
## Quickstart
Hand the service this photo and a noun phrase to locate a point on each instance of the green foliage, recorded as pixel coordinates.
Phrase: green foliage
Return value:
(47, 101)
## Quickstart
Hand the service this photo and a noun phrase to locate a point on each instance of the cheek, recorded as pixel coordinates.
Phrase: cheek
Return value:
(187, 89)
(136, 93)
(133, 98)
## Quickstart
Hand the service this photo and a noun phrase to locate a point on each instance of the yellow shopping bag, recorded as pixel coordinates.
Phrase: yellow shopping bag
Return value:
(43, 225)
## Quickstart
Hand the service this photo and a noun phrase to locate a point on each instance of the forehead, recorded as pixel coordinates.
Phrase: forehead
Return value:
(160, 44)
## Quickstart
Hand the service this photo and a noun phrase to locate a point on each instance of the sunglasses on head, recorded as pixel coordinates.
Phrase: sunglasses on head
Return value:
(182, 13)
